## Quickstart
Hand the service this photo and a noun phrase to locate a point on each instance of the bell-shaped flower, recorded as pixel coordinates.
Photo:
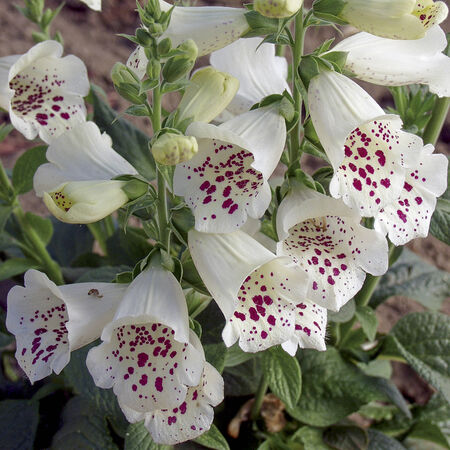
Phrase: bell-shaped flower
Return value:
(76, 184)
(171, 149)
(188, 420)
(324, 237)
(208, 93)
(210, 27)
(371, 155)
(42, 91)
(277, 8)
(226, 181)
(401, 19)
(409, 216)
(96, 5)
(262, 296)
(260, 72)
(148, 355)
(51, 321)
(391, 62)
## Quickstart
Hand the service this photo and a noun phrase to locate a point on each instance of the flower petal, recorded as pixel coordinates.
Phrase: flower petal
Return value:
(137, 62)
(47, 91)
(6, 62)
(391, 62)
(409, 216)
(258, 70)
(96, 5)
(81, 154)
(50, 321)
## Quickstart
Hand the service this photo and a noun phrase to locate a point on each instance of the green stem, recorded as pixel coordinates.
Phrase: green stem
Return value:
(297, 52)
(51, 267)
(362, 298)
(97, 231)
(6, 190)
(109, 226)
(259, 397)
(163, 215)
(434, 126)
(399, 99)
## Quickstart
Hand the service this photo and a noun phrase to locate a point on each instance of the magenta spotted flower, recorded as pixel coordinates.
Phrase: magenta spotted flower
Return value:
(226, 181)
(42, 91)
(262, 296)
(51, 321)
(374, 161)
(323, 236)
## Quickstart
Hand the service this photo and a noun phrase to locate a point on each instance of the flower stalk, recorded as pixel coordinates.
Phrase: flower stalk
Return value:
(434, 126)
(259, 397)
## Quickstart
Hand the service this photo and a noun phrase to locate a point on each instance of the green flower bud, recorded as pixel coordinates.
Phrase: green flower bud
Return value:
(127, 84)
(143, 37)
(180, 65)
(170, 149)
(209, 92)
(121, 74)
(153, 69)
(164, 46)
(277, 8)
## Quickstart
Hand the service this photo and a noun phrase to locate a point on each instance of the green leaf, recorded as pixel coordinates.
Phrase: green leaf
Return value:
(235, 356)
(423, 339)
(104, 274)
(346, 438)
(128, 141)
(379, 441)
(283, 375)
(368, 320)
(332, 388)
(411, 277)
(137, 437)
(79, 378)
(428, 431)
(25, 168)
(215, 354)
(5, 130)
(5, 339)
(18, 424)
(311, 438)
(5, 212)
(42, 225)
(213, 439)
(15, 266)
(440, 222)
(84, 427)
(242, 379)
(344, 314)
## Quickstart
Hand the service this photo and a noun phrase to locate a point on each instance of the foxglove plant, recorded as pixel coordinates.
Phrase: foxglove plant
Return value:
(217, 250)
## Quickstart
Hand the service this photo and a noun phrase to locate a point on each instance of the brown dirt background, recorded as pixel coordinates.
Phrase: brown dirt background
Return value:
(93, 37)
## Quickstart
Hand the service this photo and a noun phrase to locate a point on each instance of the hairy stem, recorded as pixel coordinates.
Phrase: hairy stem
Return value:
(434, 126)
(259, 397)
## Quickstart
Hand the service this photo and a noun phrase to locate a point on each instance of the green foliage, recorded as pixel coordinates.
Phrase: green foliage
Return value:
(42, 226)
(138, 438)
(413, 278)
(25, 168)
(213, 439)
(15, 266)
(283, 374)
(440, 222)
(343, 437)
(379, 441)
(368, 320)
(216, 355)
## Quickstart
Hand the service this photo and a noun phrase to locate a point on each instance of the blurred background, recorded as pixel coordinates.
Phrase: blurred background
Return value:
(93, 37)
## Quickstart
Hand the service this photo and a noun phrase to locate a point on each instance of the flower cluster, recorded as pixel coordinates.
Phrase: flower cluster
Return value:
(225, 141)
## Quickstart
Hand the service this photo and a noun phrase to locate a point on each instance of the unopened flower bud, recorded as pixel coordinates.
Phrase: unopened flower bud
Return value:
(164, 46)
(209, 92)
(121, 74)
(170, 149)
(127, 84)
(180, 65)
(153, 69)
(143, 37)
(277, 8)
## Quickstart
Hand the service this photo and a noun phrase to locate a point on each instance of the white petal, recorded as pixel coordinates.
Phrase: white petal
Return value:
(220, 183)
(81, 154)
(310, 328)
(325, 239)
(49, 91)
(211, 27)
(6, 93)
(392, 62)
(258, 70)
(137, 62)
(409, 216)
(50, 321)
(338, 106)
(96, 5)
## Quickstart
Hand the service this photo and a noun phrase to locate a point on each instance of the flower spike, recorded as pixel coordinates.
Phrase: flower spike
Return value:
(323, 236)
(390, 62)
(262, 296)
(43, 92)
(51, 321)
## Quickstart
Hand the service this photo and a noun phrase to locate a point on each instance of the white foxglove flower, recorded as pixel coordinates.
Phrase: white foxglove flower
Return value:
(324, 237)
(51, 321)
(210, 27)
(409, 216)
(148, 356)
(42, 91)
(260, 72)
(370, 154)
(277, 8)
(399, 19)
(226, 181)
(188, 420)
(391, 62)
(76, 184)
(96, 5)
(262, 296)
